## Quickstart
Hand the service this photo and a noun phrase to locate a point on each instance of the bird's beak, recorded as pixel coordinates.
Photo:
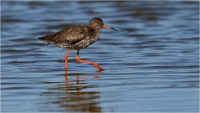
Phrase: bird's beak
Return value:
(108, 27)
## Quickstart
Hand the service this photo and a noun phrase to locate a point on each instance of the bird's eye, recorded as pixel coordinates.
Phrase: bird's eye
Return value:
(101, 23)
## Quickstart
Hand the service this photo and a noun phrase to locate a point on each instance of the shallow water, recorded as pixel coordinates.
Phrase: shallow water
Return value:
(151, 64)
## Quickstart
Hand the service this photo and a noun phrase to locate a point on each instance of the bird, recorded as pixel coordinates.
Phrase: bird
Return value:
(78, 37)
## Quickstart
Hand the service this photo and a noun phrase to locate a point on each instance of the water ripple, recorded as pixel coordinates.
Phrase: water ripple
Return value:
(151, 63)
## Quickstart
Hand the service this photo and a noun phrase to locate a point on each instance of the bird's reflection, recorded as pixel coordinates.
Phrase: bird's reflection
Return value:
(76, 99)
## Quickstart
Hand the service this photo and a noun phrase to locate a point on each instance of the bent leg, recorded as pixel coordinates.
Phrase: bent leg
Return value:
(89, 62)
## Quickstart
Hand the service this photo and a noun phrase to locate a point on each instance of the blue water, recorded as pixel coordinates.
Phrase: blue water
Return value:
(151, 64)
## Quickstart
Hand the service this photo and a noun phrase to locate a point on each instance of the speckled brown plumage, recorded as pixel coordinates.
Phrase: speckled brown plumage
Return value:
(78, 37)
(75, 37)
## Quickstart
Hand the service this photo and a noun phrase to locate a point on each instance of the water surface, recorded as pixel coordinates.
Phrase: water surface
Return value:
(152, 62)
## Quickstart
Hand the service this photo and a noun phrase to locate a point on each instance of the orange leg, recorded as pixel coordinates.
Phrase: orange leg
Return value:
(66, 58)
(93, 63)
(67, 54)
(66, 64)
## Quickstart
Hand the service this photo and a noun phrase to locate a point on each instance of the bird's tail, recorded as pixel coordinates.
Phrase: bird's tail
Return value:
(48, 38)
(41, 38)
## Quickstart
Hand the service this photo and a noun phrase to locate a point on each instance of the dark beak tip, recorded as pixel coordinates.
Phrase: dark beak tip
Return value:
(114, 29)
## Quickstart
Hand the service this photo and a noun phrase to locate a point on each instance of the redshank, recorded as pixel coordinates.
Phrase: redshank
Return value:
(78, 37)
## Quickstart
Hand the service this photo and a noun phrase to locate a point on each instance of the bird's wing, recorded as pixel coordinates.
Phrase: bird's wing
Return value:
(73, 34)
(70, 35)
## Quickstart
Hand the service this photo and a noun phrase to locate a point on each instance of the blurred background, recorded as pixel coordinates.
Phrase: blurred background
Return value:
(151, 64)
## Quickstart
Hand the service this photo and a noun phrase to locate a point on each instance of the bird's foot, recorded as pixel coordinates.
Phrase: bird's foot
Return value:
(100, 69)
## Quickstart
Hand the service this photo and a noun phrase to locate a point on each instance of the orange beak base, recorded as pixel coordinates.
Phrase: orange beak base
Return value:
(108, 27)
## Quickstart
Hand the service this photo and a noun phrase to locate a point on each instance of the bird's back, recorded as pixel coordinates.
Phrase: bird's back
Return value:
(74, 37)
